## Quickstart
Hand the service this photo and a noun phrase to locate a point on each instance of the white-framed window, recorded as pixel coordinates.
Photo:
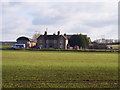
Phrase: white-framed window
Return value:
(47, 46)
(41, 41)
(55, 41)
(47, 41)
(61, 46)
(55, 45)
(61, 41)
(41, 46)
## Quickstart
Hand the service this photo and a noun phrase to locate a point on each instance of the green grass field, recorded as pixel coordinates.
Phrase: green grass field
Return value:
(5, 47)
(42, 69)
(114, 46)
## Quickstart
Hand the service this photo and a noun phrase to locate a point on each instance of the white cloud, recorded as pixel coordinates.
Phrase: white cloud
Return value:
(59, 1)
(85, 17)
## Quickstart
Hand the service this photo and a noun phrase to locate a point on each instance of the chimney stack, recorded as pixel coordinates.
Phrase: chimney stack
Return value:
(58, 32)
(64, 34)
(45, 33)
(53, 33)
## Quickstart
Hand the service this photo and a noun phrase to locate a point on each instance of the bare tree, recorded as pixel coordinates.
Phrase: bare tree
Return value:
(35, 36)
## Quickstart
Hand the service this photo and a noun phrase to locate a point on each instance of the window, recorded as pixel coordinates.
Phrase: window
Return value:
(61, 46)
(61, 41)
(47, 46)
(55, 41)
(41, 46)
(55, 45)
(40, 41)
(47, 41)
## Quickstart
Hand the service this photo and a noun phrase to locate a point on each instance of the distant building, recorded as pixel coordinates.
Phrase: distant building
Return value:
(25, 40)
(52, 41)
(98, 46)
(106, 41)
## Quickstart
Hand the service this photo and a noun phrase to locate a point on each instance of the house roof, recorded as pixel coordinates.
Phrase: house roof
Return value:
(64, 37)
(52, 37)
(68, 36)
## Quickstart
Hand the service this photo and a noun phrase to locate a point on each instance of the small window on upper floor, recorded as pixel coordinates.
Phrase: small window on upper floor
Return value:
(61, 41)
(47, 41)
(41, 41)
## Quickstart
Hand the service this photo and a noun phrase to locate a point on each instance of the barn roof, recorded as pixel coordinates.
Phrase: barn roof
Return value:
(24, 38)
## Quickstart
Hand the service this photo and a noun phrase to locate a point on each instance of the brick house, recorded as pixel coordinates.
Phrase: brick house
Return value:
(52, 41)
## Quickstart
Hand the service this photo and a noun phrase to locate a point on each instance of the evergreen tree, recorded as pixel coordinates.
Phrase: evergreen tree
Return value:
(79, 40)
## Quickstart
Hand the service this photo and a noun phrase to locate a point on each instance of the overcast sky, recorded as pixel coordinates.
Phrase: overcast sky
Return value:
(95, 19)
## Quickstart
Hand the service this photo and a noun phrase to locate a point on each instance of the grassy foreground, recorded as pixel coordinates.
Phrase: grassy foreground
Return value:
(35, 69)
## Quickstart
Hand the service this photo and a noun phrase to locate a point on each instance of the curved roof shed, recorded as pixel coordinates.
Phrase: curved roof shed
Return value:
(24, 38)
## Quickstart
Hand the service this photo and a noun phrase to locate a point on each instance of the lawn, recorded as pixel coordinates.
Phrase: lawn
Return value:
(48, 69)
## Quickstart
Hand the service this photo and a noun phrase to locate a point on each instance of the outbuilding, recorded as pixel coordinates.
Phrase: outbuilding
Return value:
(27, 41)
